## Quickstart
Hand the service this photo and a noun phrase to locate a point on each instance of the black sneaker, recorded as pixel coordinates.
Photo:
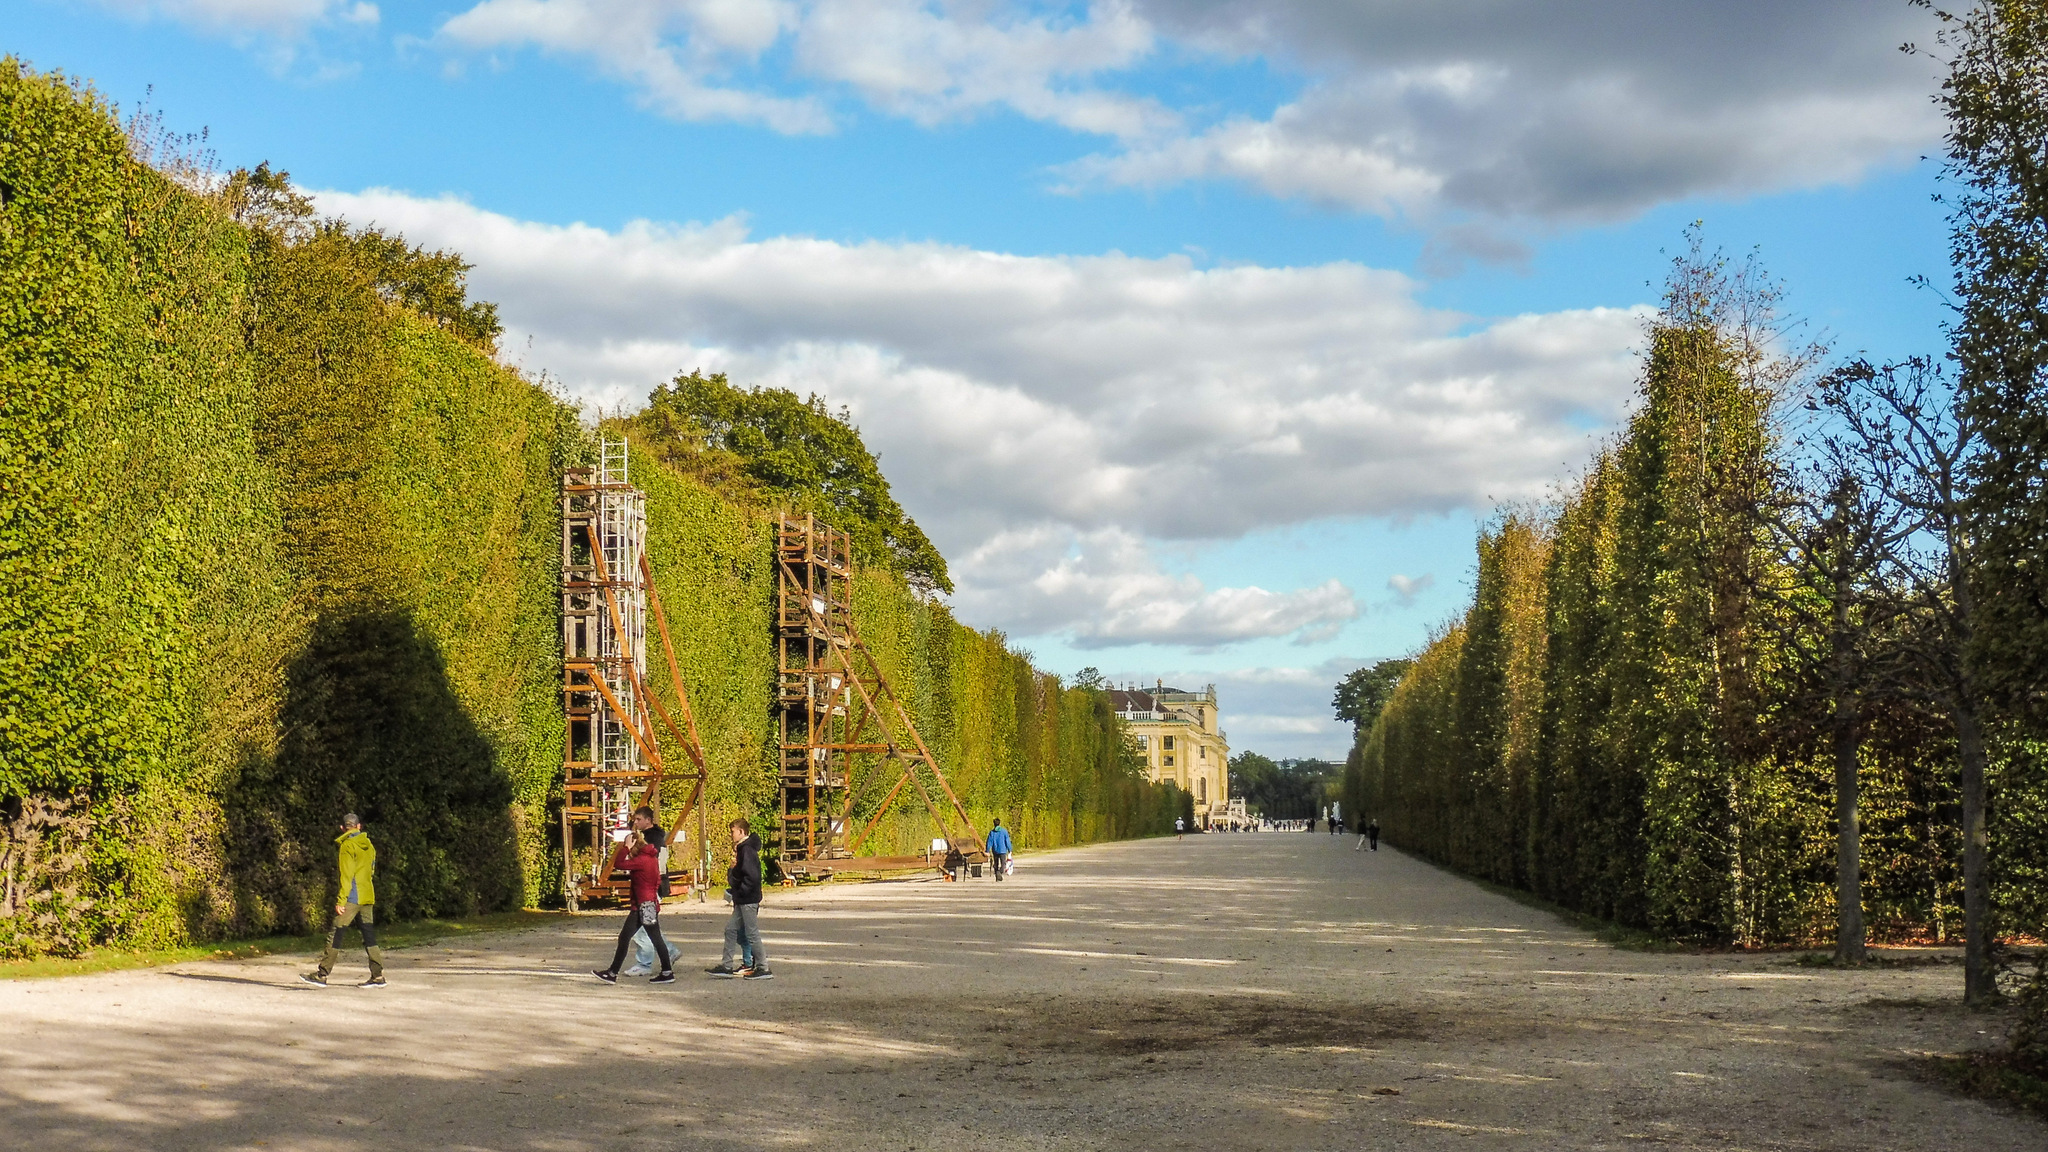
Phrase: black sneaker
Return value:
(314, 978)
(756, 973)
(663, 978)
(375, 982)
(606, 975)
(724, 970)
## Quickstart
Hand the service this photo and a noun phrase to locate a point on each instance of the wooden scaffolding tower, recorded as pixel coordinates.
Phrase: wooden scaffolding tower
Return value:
(612, 761)
(849, 748)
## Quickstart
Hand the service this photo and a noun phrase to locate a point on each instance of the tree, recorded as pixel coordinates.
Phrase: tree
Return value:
(790, 448)
(433, 285)
(1089, 677)
(1917, 451)
(1283, 789)
(1838, 532)
(1996, 101)
(1362, 694)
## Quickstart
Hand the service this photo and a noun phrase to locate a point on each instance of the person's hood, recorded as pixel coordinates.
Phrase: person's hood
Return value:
(345, 835)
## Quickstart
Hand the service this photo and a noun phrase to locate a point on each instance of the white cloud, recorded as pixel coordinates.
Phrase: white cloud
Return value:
(1106, 589)
(269, 18)
(1512, 108)
(1504, 110)
(1047, 418)
(632, 40)
(928, 63)
(1407, 588)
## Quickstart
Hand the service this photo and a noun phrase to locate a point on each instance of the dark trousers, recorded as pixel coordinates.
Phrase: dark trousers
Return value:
(648, 916)
(364, 917)
(1002, 860)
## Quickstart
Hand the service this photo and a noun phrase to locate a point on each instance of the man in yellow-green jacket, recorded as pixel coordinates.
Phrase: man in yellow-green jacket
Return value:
(355, 902)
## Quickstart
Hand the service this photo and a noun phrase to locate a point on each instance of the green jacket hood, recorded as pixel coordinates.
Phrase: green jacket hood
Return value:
(358, 868)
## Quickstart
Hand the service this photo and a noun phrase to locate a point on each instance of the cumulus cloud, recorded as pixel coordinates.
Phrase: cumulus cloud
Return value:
(1407, 588)
(1586, 111)
(271, 18)
(1487, 109)
(924, 62)
(1106, 589)
(664, 49)
(1047, 418)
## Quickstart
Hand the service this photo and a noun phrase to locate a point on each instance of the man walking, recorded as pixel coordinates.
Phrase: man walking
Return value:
(999, 848)
(743, 884)
(1372, 834)
(1178, 828)
(355, 902)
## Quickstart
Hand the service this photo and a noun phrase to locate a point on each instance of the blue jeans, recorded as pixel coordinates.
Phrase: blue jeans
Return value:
(643, 950)
(743, 936)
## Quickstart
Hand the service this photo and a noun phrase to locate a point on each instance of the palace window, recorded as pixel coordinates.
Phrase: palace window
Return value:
(1202, 789)
(1169, 760)
(1167, 743)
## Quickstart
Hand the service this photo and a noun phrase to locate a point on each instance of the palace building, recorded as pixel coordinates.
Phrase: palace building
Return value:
(1182, 742)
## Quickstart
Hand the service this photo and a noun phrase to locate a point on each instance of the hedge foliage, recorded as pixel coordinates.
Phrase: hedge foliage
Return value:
(1614, 722)
(279, 538)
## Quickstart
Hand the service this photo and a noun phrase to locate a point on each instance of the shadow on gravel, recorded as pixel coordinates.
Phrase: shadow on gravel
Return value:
(1123, 1027)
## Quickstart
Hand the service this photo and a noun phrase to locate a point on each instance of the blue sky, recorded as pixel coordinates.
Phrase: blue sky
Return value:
(1200, 334)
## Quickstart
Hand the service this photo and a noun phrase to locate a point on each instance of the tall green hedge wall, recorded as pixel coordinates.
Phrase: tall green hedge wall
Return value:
(1609, 724)
(273, 547)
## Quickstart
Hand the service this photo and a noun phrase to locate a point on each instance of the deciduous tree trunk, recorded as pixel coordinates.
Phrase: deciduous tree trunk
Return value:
(1979, 980)
(1849, 947)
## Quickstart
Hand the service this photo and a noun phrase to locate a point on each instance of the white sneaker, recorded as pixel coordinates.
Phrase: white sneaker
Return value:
(637, 970)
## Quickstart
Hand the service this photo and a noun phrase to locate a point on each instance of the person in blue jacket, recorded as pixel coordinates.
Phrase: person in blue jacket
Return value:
(999, 848)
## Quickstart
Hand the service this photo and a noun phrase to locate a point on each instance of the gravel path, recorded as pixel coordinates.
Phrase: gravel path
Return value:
(1251, 991)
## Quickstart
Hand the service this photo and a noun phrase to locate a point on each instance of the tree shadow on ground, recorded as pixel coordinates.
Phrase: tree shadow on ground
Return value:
(372, 724)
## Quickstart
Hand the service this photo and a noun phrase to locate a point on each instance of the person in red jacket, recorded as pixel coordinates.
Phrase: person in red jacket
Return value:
(642, 861)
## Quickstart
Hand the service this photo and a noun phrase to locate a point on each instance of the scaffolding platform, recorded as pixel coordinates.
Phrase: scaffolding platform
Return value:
(849, 750)
(612, 761)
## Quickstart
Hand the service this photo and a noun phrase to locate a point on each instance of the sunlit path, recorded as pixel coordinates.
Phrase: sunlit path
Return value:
(1250, 991)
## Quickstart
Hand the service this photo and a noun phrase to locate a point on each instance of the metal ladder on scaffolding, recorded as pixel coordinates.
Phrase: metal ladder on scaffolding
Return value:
(848, 747)
(612, 761)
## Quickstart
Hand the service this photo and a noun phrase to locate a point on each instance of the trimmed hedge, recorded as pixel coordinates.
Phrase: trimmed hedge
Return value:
(275, 545)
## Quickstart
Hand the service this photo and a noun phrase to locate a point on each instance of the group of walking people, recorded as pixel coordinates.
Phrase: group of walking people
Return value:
(639, 855)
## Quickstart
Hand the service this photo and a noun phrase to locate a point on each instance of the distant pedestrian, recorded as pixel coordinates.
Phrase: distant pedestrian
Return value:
(743, 883)
(1336, 825)
(355, 902)
(1372, 835)
(1179, 828)
(999, 848)
(641, 860)
(643, 948)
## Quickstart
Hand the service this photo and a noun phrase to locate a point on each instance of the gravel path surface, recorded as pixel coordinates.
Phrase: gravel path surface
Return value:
(1274, 991)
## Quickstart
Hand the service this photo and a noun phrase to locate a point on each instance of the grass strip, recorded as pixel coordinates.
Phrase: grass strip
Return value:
(396, 935)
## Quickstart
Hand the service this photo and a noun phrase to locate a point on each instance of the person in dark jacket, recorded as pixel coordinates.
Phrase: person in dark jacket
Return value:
(641, 861)
(743, 884)
(1372, 835)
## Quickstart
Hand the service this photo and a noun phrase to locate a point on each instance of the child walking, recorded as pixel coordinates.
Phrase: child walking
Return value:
(641, 860)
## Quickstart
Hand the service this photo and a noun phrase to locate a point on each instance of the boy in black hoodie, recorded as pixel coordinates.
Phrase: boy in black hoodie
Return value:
(743, 884)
